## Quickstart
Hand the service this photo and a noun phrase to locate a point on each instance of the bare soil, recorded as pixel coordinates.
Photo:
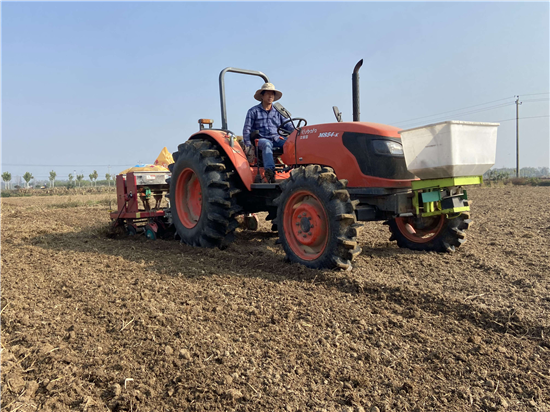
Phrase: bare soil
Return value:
(96, 324)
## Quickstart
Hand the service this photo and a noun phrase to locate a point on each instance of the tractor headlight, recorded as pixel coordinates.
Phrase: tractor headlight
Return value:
(387, 147)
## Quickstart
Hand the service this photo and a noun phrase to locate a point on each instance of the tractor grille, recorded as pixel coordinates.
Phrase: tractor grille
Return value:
(371, 162)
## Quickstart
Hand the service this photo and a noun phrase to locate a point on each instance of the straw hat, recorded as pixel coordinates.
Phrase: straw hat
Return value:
(268, 87)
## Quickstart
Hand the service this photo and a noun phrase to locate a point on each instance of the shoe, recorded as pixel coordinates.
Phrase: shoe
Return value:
(269, 175)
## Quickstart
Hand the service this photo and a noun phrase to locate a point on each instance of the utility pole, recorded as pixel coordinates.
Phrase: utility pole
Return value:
(517, 135)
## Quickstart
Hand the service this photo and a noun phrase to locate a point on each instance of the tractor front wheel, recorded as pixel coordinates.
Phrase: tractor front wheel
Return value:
(438, 234)
(316, 219)
(202, 191)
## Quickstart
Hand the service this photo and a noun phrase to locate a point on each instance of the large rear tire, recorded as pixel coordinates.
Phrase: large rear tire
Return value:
(438, 234)
(202, 195)
(316, 219)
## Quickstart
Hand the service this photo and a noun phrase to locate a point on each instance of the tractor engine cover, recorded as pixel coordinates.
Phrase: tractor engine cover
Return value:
(366, 154)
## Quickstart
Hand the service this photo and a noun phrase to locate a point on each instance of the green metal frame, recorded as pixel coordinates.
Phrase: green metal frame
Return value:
(427, 193)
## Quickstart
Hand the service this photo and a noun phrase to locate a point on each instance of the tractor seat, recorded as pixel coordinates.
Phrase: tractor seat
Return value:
(277, 151)
(254, 137)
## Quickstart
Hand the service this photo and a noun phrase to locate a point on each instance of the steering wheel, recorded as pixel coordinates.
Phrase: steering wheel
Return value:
(283, 132)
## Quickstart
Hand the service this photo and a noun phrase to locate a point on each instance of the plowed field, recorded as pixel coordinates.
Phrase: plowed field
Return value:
(96, 324)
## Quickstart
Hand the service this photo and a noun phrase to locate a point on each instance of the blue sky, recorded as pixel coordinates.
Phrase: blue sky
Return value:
(112, 83)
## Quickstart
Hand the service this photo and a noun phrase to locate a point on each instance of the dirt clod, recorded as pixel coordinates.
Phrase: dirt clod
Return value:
(475, 339)
(234, 394)
(117, 389)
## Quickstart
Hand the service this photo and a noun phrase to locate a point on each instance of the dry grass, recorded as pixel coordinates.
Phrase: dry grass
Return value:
(62, 202)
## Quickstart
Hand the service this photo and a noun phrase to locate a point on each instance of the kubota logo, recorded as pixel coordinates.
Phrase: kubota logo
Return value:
(328, 134)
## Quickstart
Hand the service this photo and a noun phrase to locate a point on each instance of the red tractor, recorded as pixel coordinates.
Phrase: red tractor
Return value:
(328, 177)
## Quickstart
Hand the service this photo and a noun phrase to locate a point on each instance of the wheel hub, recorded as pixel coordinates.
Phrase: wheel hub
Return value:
(309, 228)
(304, 223)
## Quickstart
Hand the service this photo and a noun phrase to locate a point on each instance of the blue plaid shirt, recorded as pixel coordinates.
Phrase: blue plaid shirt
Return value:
(265, 121)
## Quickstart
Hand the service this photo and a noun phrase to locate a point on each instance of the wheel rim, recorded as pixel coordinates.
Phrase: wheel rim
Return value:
(306, 225)
(188, 198)
(424, 235)
(150, 233)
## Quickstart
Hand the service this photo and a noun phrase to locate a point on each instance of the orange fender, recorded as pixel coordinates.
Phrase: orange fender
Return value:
(235, 153)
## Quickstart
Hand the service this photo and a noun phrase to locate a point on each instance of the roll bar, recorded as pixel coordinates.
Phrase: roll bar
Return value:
(222, 87)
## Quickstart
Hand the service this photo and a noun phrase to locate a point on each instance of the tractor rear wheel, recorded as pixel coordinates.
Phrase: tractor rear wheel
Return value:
(316, 219)
(438, 234)
(202, 191)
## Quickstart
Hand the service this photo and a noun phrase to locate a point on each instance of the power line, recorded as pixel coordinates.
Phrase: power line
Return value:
(477, 105)
(536, 100)
(472, 112)
(484, 109)
(521, 118)
(450, 111)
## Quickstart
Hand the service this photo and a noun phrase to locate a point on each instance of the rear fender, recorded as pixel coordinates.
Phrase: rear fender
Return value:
(235, 154)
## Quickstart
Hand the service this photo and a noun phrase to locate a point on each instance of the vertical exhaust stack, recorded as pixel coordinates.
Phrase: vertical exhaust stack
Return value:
(355, 91)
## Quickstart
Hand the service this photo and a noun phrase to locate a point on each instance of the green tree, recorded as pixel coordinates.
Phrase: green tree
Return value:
(6, 177)
(498, 174)
(27, 177)
(79, 179)
(91, 176)
(95, 175)
(53, 175)
(108, 177)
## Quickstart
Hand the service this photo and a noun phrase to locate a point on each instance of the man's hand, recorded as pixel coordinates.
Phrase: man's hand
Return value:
(250, 154)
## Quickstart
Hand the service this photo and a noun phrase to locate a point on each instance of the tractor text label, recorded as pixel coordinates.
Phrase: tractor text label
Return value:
(328, 134)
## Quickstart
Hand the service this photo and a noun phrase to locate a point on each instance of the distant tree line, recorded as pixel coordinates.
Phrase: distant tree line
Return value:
(509, 172)
(72, 181)
(78, 180)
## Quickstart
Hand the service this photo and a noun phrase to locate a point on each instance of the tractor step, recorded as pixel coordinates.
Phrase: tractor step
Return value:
(264, 185)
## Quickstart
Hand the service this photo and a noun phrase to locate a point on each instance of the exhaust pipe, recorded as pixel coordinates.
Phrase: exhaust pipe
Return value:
(355, 91)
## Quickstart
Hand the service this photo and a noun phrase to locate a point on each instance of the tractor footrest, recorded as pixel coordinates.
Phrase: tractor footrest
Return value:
(365, 213)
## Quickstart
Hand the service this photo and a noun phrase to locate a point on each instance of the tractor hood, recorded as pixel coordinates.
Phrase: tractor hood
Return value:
(366, 154)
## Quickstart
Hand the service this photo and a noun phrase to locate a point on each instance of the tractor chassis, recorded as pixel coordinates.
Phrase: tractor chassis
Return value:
(427, 198)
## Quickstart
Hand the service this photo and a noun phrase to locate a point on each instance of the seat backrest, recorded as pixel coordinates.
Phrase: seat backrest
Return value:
(255, 134)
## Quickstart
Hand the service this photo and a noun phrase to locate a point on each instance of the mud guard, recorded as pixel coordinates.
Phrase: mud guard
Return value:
(235, 153)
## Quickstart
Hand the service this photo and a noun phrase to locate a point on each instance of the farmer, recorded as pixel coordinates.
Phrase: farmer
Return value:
(266, 120)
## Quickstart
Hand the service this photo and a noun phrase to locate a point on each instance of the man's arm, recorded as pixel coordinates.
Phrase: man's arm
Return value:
(248, 127)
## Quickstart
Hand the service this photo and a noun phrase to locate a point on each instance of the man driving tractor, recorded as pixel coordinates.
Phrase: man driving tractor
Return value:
(264, 119)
